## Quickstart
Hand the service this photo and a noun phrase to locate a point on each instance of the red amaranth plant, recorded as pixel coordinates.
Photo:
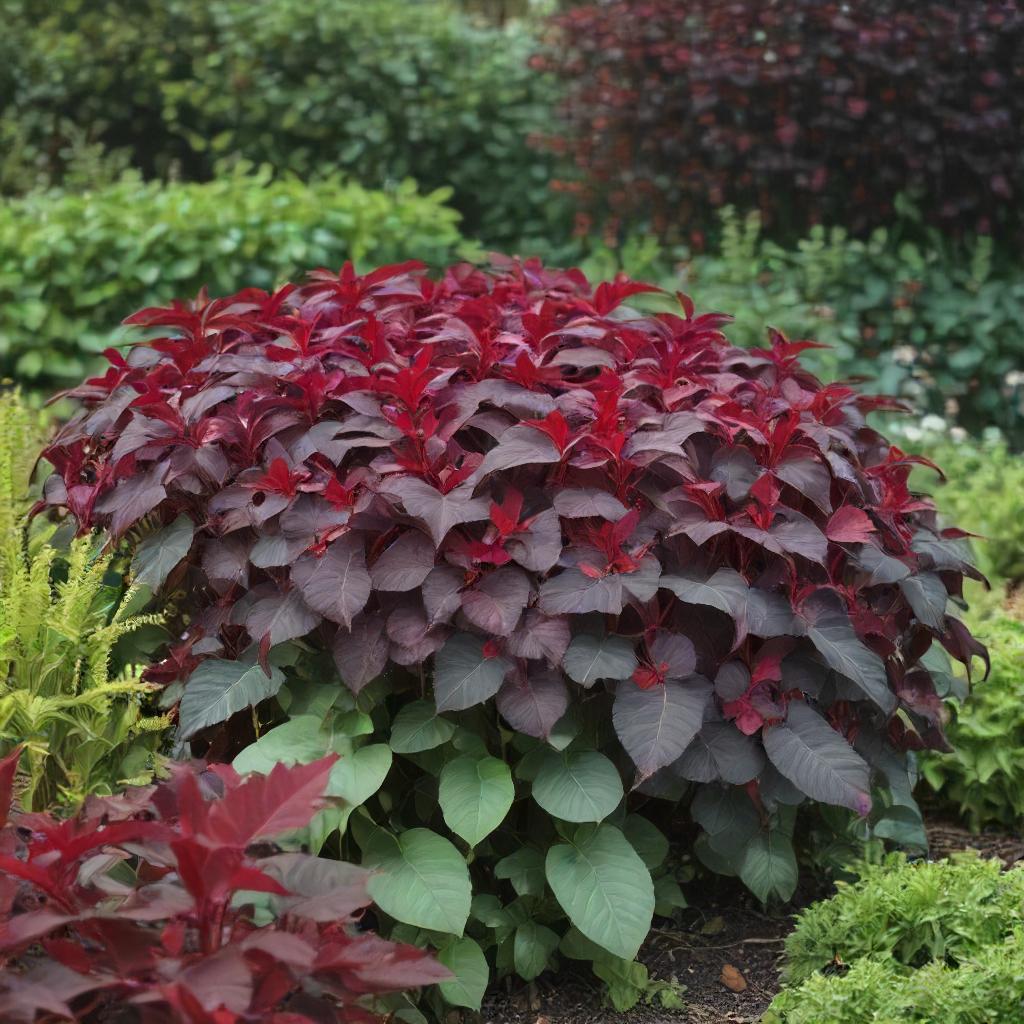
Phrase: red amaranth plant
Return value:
(129, 910)
(544, 497)
(675, 108)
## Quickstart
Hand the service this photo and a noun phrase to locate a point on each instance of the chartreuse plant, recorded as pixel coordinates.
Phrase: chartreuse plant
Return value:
(984, 775)
(169, 903)
(81, 719)
(931, 942)
(526, 559)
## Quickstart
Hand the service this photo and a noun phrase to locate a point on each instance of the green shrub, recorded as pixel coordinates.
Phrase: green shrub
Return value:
(931, 321)
(65, 695)
(378, 91)
(72, 266)
(984, 776)
(983, 492)
(938, 943)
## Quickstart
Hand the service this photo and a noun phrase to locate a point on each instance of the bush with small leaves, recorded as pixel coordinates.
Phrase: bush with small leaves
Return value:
(566, 556)
(933, 943)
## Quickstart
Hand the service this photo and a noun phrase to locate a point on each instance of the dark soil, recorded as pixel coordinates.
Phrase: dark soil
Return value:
(725, 926)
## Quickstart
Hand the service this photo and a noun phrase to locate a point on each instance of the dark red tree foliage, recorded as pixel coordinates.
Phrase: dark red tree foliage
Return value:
(519, 475)
(805, 109)
(124, 912)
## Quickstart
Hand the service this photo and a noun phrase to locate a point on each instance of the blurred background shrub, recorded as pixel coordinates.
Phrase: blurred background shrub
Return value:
(378, 91)
(808, 111)
(73, 264)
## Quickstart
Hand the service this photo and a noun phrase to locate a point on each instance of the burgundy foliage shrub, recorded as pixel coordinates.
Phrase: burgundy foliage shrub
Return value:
(512, 479)
(126, 912)
(805, 109)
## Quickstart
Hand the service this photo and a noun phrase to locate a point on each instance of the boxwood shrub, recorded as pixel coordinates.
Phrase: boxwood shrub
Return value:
(566, 558)
(73, 264)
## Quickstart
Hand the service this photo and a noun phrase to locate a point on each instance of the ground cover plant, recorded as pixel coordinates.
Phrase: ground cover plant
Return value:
(937, 942)
(567, 558)
(807, 111)
(170, 901)
(71, 692)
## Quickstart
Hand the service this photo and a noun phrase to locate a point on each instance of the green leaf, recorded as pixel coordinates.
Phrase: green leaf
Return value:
(579, 785)
(646, 839)
(420, 878)
(298, 741)
(532, 950)
(418, 727)
(668, 896)
(360, 772)
(160, 552)
(463, 674)
(590, 658)
(218, 688)
(465, 959)
(768, 866)
(524, 869)
(604, 888)
(475, 795)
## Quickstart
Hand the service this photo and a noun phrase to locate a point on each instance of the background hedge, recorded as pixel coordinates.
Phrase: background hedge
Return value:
(381, 91)
(72, 266)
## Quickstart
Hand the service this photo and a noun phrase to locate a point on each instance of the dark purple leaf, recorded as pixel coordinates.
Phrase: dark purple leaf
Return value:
(534, 701)
(497, 601)
(404, 564)
(336, 583)
(361, 653)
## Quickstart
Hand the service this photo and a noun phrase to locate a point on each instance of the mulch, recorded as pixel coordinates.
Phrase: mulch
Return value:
(724, 927)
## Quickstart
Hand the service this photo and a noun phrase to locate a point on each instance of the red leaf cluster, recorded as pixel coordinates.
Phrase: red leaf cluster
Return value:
(805, 109)
(501, 468)
(129, 907)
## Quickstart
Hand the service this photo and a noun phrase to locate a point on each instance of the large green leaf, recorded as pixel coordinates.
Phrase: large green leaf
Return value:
(418, 727)
(532, 949)
(475, 795)
(466, 961)
(818, 760)
(218, 688)
(768, 866)
(577, 785)
(160, 552)
(524, 869)
(420, 878)
(360, 772)
(605, 889)
(464, 675)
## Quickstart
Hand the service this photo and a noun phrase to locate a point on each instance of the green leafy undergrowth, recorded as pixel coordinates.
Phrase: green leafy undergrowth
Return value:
(482, 842)
(984, 775)
(930, 942)
(66, 694)
(72, 266)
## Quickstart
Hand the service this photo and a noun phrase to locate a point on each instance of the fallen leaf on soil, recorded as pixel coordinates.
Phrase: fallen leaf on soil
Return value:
(732, 979)
(714, 926)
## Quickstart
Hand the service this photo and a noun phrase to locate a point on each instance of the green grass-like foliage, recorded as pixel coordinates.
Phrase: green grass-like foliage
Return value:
(82, 722)
(73, 265)
(984, 776)
(930, 942)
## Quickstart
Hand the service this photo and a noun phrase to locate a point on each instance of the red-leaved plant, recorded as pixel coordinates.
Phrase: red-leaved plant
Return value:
(803, 109)
(518, 488)
(134, 909)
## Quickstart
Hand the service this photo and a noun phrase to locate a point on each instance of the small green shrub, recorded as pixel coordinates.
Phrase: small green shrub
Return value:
(938, 943)
(379, 91)
(983, 492)
(64, 695)
(71, 266)
(984, 775)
